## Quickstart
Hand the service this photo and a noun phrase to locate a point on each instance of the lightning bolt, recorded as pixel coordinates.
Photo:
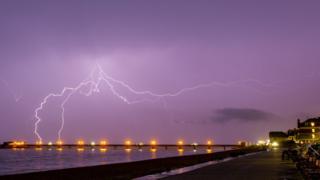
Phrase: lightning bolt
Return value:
(92, 84)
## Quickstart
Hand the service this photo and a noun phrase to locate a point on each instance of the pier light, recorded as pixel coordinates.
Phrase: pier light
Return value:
(128, 142)
(194, 144)
(153, 142)
(49, 143)
(80, 142)
(59, 142)
(312, 124)
(140, 144)
(180, 142)
(209, 150)
(209, 142)
(92, 143)
(19, 144)
(38, 143)
(103, 143)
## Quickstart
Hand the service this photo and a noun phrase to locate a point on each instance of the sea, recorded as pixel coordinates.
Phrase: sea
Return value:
(16, 161)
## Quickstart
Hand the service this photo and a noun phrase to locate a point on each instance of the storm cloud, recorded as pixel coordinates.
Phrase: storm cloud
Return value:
(241, 114)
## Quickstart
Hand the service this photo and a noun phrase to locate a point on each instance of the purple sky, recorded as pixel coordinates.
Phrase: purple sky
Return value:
(161, 46)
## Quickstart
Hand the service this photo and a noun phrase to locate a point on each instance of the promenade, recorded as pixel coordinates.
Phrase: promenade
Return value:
(263, 165)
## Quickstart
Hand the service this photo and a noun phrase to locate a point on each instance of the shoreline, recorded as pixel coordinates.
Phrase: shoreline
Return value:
(131, 170)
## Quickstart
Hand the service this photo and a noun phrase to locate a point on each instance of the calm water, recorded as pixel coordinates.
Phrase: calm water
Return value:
(31, 160)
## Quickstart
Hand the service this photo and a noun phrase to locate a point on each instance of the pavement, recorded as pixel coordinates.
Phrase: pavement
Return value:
(265, 165)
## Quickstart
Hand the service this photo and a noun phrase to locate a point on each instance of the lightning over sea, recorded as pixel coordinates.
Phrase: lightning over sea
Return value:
(101, 152)
(98, 76)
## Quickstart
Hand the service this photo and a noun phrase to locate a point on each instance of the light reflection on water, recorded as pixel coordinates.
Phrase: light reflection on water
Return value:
(14, 161)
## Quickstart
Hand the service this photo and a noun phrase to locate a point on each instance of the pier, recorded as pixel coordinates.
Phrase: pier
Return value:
(122, 146)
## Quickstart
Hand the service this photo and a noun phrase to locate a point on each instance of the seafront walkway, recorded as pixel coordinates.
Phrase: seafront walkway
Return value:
(263, 165)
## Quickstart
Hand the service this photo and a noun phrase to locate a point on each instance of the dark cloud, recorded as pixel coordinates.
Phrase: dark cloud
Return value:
(241, 114)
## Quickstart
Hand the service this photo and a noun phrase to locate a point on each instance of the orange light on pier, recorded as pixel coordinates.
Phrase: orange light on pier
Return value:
(38, 143)
(180, 142)
(180, 147)
(80, 143)
(59, 142)
(209, 142)
(209, 150)
(103, 143)
(153, 142)
(17, 144)
(128, 143)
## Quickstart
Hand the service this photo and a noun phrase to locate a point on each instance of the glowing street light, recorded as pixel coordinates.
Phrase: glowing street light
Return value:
(38, 143)
(80, 142)
(128, 143)
(103, 143)
(59, 142)
(180, 142)
(92, 143)
(153, 142)
(312, 124)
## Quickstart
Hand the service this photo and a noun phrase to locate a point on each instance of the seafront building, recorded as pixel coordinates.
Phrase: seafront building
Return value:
(307, 131)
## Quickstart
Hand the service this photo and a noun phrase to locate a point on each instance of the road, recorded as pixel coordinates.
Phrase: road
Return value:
(263, 165)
